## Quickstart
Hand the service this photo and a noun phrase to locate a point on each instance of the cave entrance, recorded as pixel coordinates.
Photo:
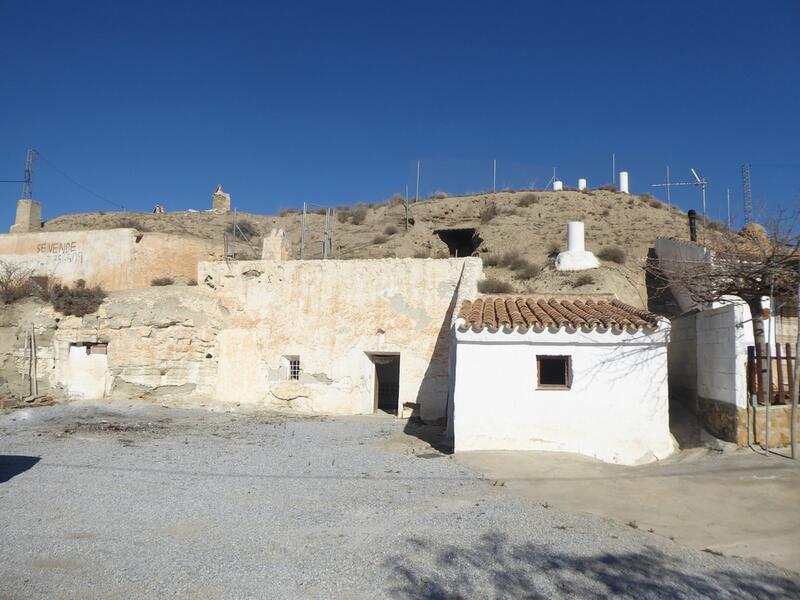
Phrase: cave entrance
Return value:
(460, 242)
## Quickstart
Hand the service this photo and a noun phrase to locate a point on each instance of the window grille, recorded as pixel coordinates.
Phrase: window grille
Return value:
(294, 369)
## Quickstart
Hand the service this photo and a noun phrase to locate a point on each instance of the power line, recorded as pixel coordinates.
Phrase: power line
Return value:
(78, 184)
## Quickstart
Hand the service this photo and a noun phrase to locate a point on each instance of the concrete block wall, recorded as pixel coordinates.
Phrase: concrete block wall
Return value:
(682, 356)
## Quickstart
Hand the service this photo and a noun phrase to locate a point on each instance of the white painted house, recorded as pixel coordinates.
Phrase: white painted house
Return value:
(570, 375)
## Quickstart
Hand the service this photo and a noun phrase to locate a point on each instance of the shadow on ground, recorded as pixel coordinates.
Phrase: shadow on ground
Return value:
(12, 465)
(496, 568)
(433, 435)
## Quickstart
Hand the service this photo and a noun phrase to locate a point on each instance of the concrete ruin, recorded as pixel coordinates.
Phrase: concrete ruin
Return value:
(28, 217)
(220, 201)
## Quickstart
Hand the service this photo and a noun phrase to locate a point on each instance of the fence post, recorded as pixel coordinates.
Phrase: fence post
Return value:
(790, 374)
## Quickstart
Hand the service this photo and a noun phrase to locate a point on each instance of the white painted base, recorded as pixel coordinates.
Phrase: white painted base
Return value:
(576, 260)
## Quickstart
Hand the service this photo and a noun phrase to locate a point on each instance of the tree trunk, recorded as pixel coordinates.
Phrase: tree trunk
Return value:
(756, 310)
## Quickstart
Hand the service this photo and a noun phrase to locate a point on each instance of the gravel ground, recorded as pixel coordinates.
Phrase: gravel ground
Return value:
(141, 501)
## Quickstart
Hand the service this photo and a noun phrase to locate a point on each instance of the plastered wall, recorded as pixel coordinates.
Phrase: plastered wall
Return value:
(115, 259)
(616, 409)
(333, 315)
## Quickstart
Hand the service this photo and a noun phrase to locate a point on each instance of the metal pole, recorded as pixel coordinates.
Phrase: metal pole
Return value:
(494, 176)
(405, 205)
(769, 370)
(703, 187)
(669, 200)
(303, 233)
(234, 233)
(416, 197)
(34, 365)
(796, 394)
(729, 208)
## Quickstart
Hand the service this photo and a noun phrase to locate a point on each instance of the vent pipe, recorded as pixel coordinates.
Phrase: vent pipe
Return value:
(575, 257)
(558, 185)
(623, 182)
(692, 224)
(581, 185)
(575, 236)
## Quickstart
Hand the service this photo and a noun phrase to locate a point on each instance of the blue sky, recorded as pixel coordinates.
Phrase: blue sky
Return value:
(333, 103)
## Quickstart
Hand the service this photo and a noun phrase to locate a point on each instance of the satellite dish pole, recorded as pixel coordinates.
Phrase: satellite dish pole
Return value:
(703, 185)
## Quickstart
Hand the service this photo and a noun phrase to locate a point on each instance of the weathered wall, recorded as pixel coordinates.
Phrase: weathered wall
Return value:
(161, 343)
(115, 259)
(616, 409)
(674, 256)
(333, 314)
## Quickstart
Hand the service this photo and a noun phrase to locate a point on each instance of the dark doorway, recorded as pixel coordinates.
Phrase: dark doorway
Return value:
(387, 382)
(460, 242)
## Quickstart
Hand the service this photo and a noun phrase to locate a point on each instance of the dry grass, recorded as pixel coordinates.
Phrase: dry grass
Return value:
(528, 199)
(77, 301)
(161, 281)
(488, 212)
(492, 285)
(380, 239)
(359, 215)
(390, 230)
(613, 254)
(15, 282)
(582, 280)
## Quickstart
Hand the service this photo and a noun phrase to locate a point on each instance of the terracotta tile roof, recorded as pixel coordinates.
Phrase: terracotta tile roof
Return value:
(508, 312)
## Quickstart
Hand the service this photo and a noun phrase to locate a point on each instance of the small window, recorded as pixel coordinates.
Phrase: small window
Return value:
(294, 368)
(553, 372)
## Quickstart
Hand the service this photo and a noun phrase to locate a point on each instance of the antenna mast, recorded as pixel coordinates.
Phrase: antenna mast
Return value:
(27, 183)
(748, 200)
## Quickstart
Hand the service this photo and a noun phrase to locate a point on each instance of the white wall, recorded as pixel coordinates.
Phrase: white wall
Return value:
(723, 335)
(616, 409)
(85, 375)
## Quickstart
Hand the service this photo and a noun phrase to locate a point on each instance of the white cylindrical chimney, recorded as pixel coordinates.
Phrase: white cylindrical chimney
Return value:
(575, 236)
(623, 182)
(581, 185)
(558, 185)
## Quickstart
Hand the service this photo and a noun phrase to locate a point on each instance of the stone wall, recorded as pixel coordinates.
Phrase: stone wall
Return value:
(115, 259)
(334, 315)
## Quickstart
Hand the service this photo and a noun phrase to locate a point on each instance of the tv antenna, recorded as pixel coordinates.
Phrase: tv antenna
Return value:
(27, 181)
(746, 195)
(699, 182)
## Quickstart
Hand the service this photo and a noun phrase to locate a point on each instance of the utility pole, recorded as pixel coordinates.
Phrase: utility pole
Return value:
(669, 199)
(416, 197)
(729, 208)
(405, 205)
(303, 233)
(494, 176)
(746, 197)
(614, 169)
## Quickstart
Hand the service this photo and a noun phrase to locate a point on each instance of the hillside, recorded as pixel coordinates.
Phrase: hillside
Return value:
(532, 224)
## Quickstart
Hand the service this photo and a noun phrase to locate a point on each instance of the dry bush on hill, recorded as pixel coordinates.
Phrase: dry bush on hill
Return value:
(488, 212)
(343, 213)
(390, 230)
(15, 282)
(422, 254)
(380, 239)
(553, 249)
(529, 271)
(359, 215)
(527, 199)
(613, 254)
(246, 228)
(582, 280)
(321, 211)
(160, 281)
(288, 211)
(716, 225)
(609, 187)
(396, 200)
(605, 213)
(439, 195)
(492, 285)
(131, 223)
(76, 301)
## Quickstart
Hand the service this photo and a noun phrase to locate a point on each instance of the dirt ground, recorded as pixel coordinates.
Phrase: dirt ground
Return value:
(129, 499)
(737, 502)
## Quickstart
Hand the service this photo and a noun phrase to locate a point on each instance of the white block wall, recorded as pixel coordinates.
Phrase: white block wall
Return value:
(682, 358)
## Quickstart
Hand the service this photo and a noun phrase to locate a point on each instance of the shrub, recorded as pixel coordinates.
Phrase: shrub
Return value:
(606, 213)
(359, 215)
(613, 254)
(527, 199)
(288, 211)
(244, 227)
(191, 282)
(390, 230)
(492, 285)
(159, 281)
(488, 212)
(529, 271)
(380, 239)
(510, 211)
(609, 187)
(422, 254)
(131, 223)
(582, 280)
(439, 195)
(77, 301)
(15, 282)
(342, 214)
(716, 225)
(321, 211)
(396, 200)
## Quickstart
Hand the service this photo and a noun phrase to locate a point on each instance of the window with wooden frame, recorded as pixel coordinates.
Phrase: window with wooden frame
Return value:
(553, 372)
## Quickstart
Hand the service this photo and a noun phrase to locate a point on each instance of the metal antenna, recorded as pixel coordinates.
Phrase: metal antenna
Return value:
(748, 200)
(27, 185)
(701, 183)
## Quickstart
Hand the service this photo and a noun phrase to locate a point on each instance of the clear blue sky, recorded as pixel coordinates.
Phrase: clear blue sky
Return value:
(332, 103)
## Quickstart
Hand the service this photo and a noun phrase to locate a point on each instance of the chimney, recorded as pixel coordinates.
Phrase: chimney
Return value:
(220, 201)
(28, 217)
(581, 185)
(692, 224)
(575, 257)
(623, 182)
(558, 185)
